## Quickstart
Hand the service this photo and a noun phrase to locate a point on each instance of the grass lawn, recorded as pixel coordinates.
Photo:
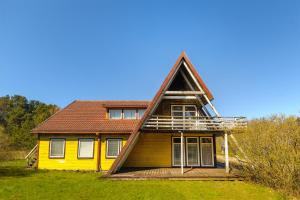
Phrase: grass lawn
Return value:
(19, 183)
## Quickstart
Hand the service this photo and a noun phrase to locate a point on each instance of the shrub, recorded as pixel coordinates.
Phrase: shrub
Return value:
(272, 146)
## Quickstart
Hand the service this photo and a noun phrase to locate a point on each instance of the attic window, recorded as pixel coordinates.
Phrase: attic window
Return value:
(115, 113)
(126, 113)
(129, 114)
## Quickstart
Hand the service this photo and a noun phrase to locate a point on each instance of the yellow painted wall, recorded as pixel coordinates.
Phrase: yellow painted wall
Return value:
(70, 162)
(153, 150)
(107, 162)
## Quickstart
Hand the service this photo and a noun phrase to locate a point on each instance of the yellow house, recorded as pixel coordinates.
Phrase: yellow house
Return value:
(177, 129)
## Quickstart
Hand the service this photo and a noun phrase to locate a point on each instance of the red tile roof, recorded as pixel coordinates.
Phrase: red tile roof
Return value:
(89, 117)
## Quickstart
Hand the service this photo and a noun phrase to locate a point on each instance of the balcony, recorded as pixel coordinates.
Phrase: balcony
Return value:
(161, 122)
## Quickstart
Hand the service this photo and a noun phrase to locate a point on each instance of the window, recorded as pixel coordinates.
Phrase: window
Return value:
(141, 113)
(113, 147)
(86, 148)
(115, 114)
(185, 111)
(129, 114)
(57, 148)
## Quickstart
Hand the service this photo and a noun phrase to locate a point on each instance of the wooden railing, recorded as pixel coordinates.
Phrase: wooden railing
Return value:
(31, 157)
(162, 122)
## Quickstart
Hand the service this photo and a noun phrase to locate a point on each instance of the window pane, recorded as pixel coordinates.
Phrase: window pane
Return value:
(177, 108)
(192, 154)
(206, 140)
(192, 140)
(129, 114)
(113, 147)
(179, 114)
(141, 113)
(57, 147)
(115, 114)
(86, 148)
(190, 114)
(176, 140)
(190, 108)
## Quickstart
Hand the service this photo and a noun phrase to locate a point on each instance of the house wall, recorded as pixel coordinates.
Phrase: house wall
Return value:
(154, 150)
(106, 163)
(70, 161)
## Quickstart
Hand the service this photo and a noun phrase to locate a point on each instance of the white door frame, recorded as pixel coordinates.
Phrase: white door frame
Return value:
(187, 154)
(212, 152)
(173, 160)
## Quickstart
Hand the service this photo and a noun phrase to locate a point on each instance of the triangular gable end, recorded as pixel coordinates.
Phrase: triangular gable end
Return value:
(183, 71)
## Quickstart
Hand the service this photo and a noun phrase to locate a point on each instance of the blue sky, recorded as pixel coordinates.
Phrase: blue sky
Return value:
(247, 52)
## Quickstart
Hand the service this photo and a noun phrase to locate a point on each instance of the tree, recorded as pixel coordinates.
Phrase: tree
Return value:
(18, 117)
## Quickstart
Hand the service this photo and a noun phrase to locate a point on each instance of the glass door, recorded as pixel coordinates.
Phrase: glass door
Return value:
(207, 155)
(176, 151)
(192, 151)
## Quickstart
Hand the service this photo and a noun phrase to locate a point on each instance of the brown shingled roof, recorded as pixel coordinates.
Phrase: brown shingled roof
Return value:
(89, 117)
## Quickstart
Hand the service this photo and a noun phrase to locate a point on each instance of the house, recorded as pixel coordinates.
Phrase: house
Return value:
(178, 128)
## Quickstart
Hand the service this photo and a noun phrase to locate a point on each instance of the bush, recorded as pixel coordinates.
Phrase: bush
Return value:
(272, 146)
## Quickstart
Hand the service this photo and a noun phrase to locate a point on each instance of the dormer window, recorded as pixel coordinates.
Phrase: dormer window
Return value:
(140, 113)
(129, 114)
(126, 113)
(115, 113)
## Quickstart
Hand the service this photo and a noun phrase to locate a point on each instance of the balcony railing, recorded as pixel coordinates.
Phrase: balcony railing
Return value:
(161, 122)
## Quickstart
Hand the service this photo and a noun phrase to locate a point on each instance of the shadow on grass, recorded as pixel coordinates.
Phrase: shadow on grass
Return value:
(16, 168)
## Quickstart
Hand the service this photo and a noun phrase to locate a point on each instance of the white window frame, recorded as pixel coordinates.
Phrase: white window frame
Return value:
(187, 154)
(176, 125)
(79, 143)
(173, 160)
(135, 113)
(64, 147)
(212, 152)
(120, 141)
(115, 118)
(183, 109)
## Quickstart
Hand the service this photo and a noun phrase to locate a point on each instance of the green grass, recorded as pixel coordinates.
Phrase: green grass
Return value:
(19, 183)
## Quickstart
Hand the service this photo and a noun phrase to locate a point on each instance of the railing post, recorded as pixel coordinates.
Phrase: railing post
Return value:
(156, 122)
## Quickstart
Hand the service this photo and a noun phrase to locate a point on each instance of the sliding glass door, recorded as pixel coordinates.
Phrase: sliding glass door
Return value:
(197, 151)
(207, 152)
(192, 151)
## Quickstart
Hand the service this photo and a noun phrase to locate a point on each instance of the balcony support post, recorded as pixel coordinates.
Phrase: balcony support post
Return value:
(226, 152)
(181, 144)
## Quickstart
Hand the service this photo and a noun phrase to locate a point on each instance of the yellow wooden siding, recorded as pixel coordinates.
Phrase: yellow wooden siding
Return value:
(106, 163)
(153, 150)
(70, 162)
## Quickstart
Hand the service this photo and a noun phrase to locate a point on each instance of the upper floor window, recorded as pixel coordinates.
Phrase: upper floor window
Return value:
(115, 113)
(184, 111)
(126, 113)
(141, 113)
(129, 114)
